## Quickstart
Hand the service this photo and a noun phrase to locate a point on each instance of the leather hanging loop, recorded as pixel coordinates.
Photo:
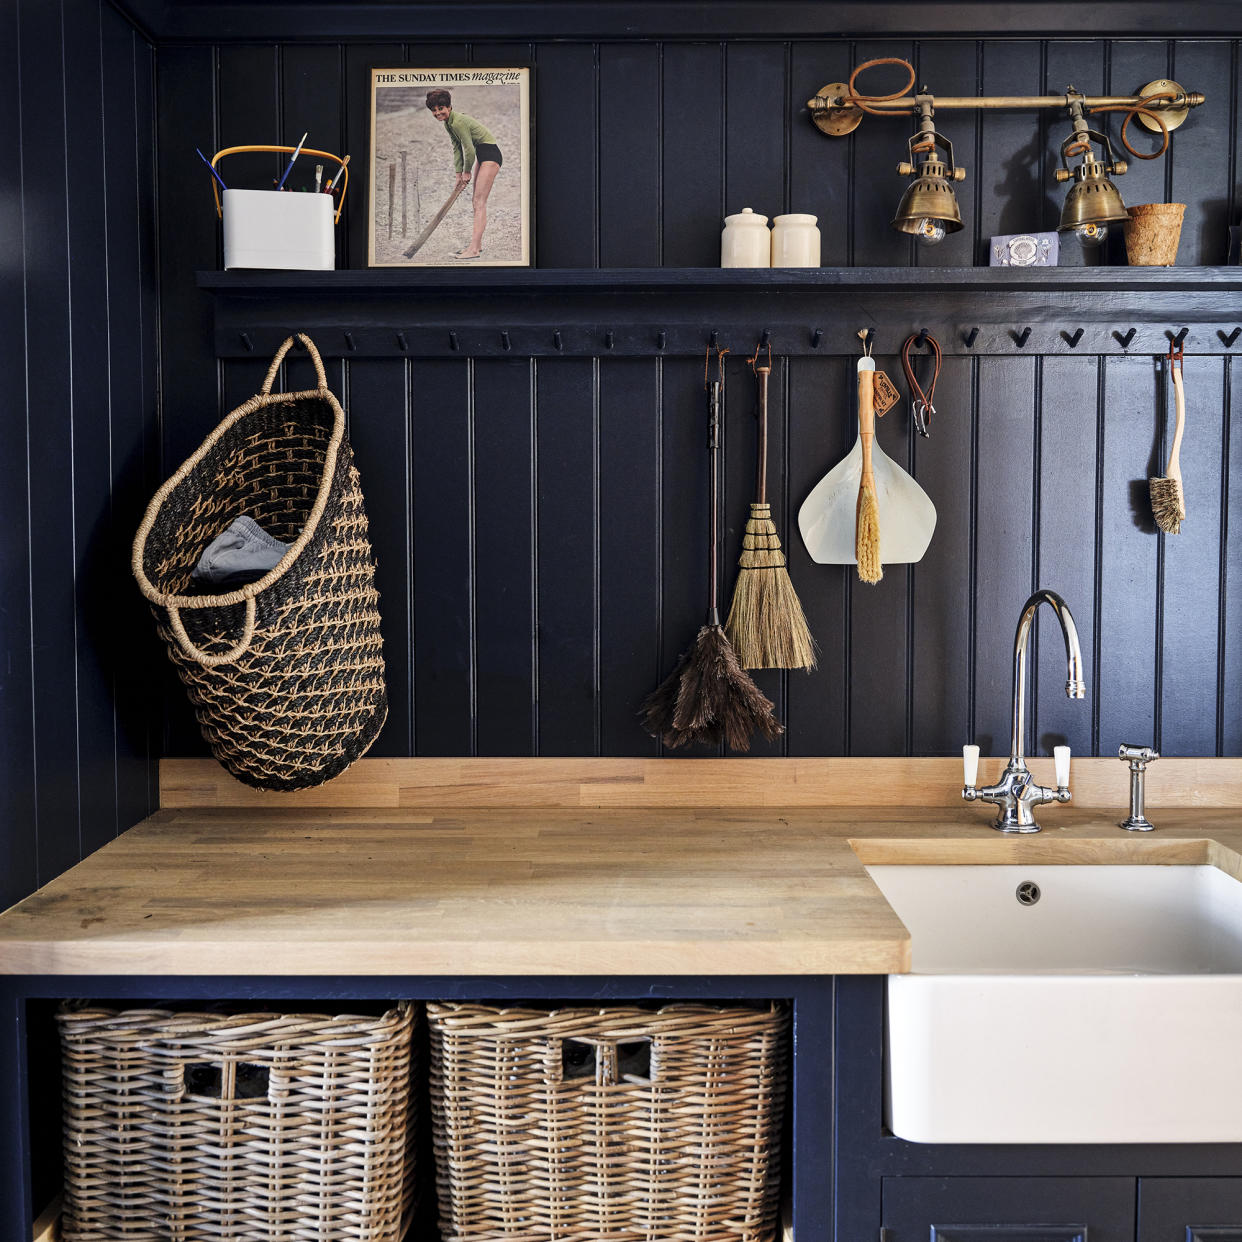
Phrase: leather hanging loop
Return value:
(921, 402)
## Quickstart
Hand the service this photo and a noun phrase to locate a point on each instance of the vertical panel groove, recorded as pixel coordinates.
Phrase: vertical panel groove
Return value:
(1097, 640)
(1223, 602)
(471, 509)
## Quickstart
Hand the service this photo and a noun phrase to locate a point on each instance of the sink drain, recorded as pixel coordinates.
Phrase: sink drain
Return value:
(1028, 892)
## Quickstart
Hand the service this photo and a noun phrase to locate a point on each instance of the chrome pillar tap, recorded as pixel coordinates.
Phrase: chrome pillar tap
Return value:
(1016, 793)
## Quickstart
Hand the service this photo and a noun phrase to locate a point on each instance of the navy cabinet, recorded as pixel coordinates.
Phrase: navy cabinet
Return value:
(1190, 1209)
(1008, 1209)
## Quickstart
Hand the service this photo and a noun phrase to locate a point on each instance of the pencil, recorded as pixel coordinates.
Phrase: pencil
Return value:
(212, 168)
(292, 161)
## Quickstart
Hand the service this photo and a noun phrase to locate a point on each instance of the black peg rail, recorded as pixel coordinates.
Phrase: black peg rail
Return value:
(678, 312)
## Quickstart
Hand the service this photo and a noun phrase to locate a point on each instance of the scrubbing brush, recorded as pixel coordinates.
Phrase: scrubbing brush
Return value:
(1168, 502)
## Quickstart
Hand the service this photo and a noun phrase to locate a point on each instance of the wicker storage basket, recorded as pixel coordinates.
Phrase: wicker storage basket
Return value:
(255, 1127)
(621, 1123)
(286, 674)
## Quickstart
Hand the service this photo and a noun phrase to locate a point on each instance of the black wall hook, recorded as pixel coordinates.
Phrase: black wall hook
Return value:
(661, 340)
(452, 340)
(349, 342)
(1125, 337)
(970, 337)
(505, 343)
(402, 344)
(247, 343)
(1227, 339)
(1180, 338)
(715, 340)
(556, 340)
(766, 339)
(921, 339)
(1020, 338)
(609, 340)
(816, 337)
(1072, 338)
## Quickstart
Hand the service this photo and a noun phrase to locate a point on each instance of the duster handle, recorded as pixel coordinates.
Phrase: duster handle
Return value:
(866, 417)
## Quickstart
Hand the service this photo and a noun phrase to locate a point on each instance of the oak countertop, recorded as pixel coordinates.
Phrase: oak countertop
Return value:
(547, 891)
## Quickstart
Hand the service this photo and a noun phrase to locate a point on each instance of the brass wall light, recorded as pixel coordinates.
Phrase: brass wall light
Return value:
(928, 209)
(1093, 202)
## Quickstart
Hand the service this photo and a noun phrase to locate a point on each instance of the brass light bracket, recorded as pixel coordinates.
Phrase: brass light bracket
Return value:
(835, 114)
(1174, 112)
(831, 113)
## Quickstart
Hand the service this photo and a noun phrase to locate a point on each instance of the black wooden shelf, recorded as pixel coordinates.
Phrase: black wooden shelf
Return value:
(635, 312)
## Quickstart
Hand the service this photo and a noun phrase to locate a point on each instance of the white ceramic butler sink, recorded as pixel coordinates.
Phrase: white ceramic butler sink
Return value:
(1108, 1011)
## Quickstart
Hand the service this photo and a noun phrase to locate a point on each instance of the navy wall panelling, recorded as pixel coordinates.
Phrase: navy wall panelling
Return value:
(79, 338)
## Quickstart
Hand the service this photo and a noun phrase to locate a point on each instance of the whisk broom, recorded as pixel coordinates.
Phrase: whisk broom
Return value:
(766, 624)
(709, 697)
(1168, 502)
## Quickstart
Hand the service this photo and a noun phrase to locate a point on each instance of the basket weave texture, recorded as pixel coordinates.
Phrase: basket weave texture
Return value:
(313, 1141)
(286, 675)
(685, 1151)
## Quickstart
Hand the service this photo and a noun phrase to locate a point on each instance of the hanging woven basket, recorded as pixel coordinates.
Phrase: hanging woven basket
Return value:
(286, 674)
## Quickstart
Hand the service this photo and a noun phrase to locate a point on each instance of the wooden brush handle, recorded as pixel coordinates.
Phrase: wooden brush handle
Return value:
(761, 467)
(866, 418)
(1174, 469)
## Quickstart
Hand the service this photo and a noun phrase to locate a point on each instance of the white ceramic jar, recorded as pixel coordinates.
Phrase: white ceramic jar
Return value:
(745, 241)
(795, 241)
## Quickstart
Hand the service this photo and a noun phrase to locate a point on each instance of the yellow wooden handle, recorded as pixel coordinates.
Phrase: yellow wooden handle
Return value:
(341, 161)
(866, 420)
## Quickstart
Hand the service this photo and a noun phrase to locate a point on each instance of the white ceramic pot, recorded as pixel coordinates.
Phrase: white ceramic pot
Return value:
(745, 241)
(795, 241)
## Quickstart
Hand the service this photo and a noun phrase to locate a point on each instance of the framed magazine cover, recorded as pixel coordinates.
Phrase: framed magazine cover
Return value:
(450, 167)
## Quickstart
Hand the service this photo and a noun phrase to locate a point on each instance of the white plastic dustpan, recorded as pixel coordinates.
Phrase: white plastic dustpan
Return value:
(828, 515)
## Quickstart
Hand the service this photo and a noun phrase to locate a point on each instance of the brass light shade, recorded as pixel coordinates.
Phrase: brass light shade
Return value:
(1092, 200)
(928, 197)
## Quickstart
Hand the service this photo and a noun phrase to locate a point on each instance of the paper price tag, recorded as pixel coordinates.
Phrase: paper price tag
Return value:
(884, 394)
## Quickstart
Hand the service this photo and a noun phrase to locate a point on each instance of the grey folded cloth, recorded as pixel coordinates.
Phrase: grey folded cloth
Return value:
(243, 553)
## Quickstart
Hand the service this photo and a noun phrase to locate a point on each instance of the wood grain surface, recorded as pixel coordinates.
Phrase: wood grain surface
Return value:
(555, 891)
(590, 782)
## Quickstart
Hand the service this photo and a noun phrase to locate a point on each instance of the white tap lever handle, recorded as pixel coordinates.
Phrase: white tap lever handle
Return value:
(970, 763)
(1061, 760)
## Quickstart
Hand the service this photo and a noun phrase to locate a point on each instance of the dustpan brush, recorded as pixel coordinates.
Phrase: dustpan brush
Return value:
(1168, 502)
(709, 697)
(766, 625)
(867, 514)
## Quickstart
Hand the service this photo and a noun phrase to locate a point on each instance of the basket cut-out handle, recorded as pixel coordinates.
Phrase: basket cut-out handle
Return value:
(279, 357)
(202, 657)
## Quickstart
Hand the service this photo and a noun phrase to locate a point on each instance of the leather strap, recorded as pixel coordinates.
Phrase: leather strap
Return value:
(920, 401)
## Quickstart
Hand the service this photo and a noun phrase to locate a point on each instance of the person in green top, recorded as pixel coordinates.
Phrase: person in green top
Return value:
(473, 148)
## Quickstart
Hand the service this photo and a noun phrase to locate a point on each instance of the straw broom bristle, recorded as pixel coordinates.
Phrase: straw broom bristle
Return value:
(709, 698)
(766, 624)
(867, 536)
(1167, 504)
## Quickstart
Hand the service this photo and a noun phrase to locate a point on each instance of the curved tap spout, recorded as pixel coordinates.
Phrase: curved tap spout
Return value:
(1016, 793)
(1074, 687)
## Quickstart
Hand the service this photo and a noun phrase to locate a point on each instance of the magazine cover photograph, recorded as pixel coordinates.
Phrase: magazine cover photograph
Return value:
(450, 164)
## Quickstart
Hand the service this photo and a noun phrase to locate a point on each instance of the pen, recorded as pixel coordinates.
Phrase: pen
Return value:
(327, 189)
(212, 167)
(292, 160)
(318, 177)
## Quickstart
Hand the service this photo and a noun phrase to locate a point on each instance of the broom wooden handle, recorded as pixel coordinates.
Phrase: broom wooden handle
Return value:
(761, 468)
(866, 422)
(1174, 469)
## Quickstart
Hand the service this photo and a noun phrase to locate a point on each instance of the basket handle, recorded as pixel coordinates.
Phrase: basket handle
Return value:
(285, 347)
(202, 657)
